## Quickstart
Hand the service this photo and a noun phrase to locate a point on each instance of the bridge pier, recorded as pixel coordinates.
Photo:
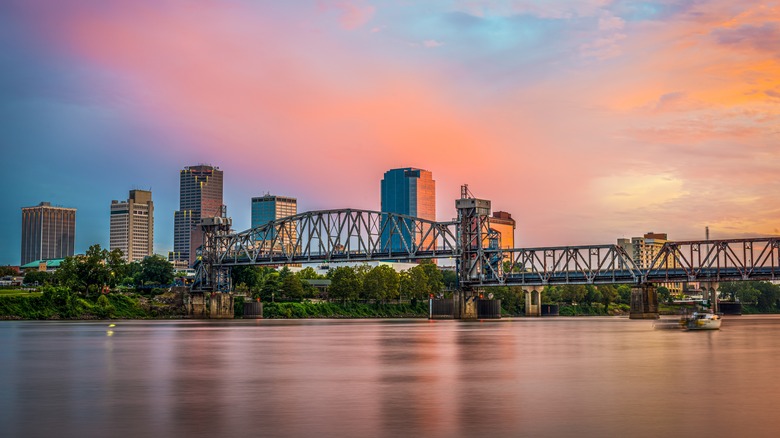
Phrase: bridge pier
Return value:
(533, 301)
(210, 305)
(464, 304)
(644, 302)
(710, 293)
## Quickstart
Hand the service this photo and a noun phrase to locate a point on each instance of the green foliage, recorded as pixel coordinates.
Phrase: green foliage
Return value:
(380, 283)
(344, 310)
(238, 307)
(292, 286)
(435, 277)
(415, 284)
(664, 295)
(450, 279)
(7, 270)
(156, 269)
(345, 284)
(512, 299)
(39, 277)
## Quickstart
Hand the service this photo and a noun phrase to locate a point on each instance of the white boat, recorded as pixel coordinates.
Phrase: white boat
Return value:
(701, 321)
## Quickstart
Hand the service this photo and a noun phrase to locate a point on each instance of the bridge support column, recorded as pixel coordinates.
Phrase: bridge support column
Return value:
(464, 304)
(711, 294)
(210, 305)
(533, 301)
(644, 302)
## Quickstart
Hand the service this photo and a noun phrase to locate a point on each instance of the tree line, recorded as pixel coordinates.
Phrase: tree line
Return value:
(100, 268)
(347, 283)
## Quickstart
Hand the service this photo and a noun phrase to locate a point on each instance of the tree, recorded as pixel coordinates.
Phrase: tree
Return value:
(86, 273)
(414, 283)
(435, 277)
(345, 283)
(118, 266)
(271, 284)
(608, 295)
(250, 276)
(449, 278)
(624, 294)
(573, 293)
(381, 283)
(663, 294)
(7, 270)
(156, 269)
(309, 273)
(39, 277)
(292, 286)
(768, 295)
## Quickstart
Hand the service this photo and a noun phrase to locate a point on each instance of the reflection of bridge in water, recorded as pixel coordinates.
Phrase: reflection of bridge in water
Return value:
(362, 236)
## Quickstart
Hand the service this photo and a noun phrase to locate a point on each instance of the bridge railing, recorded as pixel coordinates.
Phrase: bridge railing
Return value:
(340, 235)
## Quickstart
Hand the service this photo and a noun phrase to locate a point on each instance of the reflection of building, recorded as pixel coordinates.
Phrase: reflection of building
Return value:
(200, 196)
(132, 226)
(643, 251)
(269, 208)
(503, 223)
(410, 192)
(47, 232)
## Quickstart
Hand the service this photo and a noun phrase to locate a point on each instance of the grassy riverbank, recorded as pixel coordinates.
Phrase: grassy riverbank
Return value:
(344, 310)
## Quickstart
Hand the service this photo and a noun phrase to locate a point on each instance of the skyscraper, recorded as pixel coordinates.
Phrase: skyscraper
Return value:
(271, 207)
(47, 232)
(132, 225)
(411, 192)
(200, 196)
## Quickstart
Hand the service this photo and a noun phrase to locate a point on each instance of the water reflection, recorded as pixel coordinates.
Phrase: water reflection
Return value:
(526, 377)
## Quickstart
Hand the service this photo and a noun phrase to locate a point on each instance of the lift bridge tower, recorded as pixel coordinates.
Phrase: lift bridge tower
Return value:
(480, 256)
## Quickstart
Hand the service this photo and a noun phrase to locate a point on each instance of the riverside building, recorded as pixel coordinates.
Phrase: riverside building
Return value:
(200, 196)
(48, 232)
(408, 191)
(269, 208)
(132, 226)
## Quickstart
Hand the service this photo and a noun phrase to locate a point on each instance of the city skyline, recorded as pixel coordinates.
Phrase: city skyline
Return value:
(586, 121)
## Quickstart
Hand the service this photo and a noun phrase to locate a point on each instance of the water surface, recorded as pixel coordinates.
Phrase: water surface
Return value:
(551, 377)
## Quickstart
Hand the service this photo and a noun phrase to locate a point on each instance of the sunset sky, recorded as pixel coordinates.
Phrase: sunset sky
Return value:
(586, 120)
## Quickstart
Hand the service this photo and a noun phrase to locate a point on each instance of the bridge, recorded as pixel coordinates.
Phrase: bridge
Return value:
(362, 236)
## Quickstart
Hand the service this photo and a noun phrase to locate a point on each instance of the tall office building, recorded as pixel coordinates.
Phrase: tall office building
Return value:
(132, 226)
(502, 222)
(643, 251)
(47, 232)
(200, 196)
(268, 208)
(411, 192)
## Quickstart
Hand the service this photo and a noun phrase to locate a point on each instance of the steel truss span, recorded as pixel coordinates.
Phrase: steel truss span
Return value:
(716, 260)
(675, 262)
(338, 235)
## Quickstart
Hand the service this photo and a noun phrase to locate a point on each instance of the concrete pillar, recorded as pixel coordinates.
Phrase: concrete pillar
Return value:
(221, 306)
(464, 304)
(644, 302)
(196, 305)
(711, 294)
(533, 301)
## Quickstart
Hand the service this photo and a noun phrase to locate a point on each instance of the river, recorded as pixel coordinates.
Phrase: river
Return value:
(549, 377)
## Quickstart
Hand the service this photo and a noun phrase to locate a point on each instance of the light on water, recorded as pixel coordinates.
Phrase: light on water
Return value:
(550, 377)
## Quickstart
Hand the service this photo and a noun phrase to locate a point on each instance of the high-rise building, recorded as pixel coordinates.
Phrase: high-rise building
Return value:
(502, 222)
(200, 196)
(132, 225)
(47, 232)
(643, 251)
(411, 192)
(269, 208)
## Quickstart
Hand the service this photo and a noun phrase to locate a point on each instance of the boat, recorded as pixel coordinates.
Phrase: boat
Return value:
(701, 321)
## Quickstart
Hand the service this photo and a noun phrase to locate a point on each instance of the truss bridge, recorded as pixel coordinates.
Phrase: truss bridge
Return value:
(363, 235)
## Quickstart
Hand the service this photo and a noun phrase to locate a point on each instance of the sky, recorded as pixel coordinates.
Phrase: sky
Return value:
(587, 120)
